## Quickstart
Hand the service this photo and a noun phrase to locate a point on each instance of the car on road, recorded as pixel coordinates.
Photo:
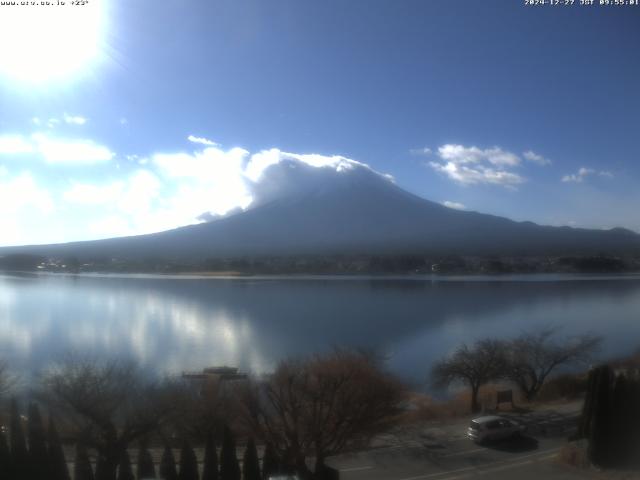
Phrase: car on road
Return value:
(493, 427)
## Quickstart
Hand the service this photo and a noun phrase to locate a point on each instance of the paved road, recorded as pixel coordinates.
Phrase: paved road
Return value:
(443, 453)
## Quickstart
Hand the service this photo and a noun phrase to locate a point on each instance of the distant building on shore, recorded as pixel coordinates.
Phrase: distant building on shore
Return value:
(212, 381)
(223, 373)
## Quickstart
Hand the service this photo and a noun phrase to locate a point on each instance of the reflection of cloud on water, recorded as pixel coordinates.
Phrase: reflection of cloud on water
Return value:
(175, 325)
(162, 331)
(168, 332)
(20, 337)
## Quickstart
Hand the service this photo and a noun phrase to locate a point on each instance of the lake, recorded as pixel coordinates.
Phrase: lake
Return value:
(182, 323)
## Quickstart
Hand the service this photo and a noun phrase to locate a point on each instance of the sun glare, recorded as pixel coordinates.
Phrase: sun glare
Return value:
(44, 41)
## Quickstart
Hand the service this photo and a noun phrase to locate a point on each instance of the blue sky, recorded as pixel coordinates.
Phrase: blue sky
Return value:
(528, 112)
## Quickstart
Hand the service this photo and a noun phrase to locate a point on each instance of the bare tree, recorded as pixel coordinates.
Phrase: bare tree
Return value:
(321, 406)
(110, 404)
(200, 408)
(534, 355)
(473, 366)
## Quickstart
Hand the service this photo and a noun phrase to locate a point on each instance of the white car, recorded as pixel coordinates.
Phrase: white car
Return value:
(493, 427)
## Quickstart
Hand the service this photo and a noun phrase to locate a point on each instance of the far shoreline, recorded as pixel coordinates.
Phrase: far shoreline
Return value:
(424, 277)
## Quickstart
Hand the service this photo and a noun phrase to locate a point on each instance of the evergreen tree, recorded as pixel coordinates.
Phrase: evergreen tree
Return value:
(145, 469)
(101, 468)
(611, 418)
(188, 463)
(229, 468)
(269, 462)
(18, 445)
(82, 468)
(250, 462)
(621, 412)
(634, 421)
(125, 472)
(168, 465)
(600, 447)
(210, 471)
(57, 460)
(5, 456)
(38, 455)
(586, 417)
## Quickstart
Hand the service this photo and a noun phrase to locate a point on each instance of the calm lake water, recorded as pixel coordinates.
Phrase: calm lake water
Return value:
(175, 324)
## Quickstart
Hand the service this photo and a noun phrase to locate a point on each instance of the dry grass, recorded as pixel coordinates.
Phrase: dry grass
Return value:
(631, 362)
(425, 408)
(567, 387)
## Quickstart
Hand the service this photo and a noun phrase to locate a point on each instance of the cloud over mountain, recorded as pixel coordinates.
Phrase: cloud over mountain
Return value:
(318, 205)
(113, 193)
(176, 189)
(454, 205)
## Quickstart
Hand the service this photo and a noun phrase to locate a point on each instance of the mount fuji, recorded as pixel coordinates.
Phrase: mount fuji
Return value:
(350, 209)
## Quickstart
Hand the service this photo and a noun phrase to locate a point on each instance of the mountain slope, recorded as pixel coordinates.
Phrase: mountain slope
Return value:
(358, 213)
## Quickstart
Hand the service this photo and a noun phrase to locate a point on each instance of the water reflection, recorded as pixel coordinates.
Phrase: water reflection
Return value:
(179, 324)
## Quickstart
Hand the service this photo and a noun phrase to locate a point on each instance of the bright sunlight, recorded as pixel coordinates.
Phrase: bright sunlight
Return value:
(43, 41)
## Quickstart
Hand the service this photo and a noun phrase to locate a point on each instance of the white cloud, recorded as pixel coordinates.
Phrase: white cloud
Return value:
(54, 150)
(137, 159)
(454, 205)
(210, 164)
(472, 165)
(338, 162)
(138, 196)
(421, 151)
(71, 151)
(23, 204)
(201, 140)
(531, 156)
(177, 189)
(460, 154)
(14, 144)
(583, 173)
(127, 207)
(111, 226)
(22, 191)
(478, 175)
(217, 181)
(54, 121)
(210, 180)
(133, 195)
(171, 190)
(275, 173)
(260, 162)
(74, 119)
(89, 194)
